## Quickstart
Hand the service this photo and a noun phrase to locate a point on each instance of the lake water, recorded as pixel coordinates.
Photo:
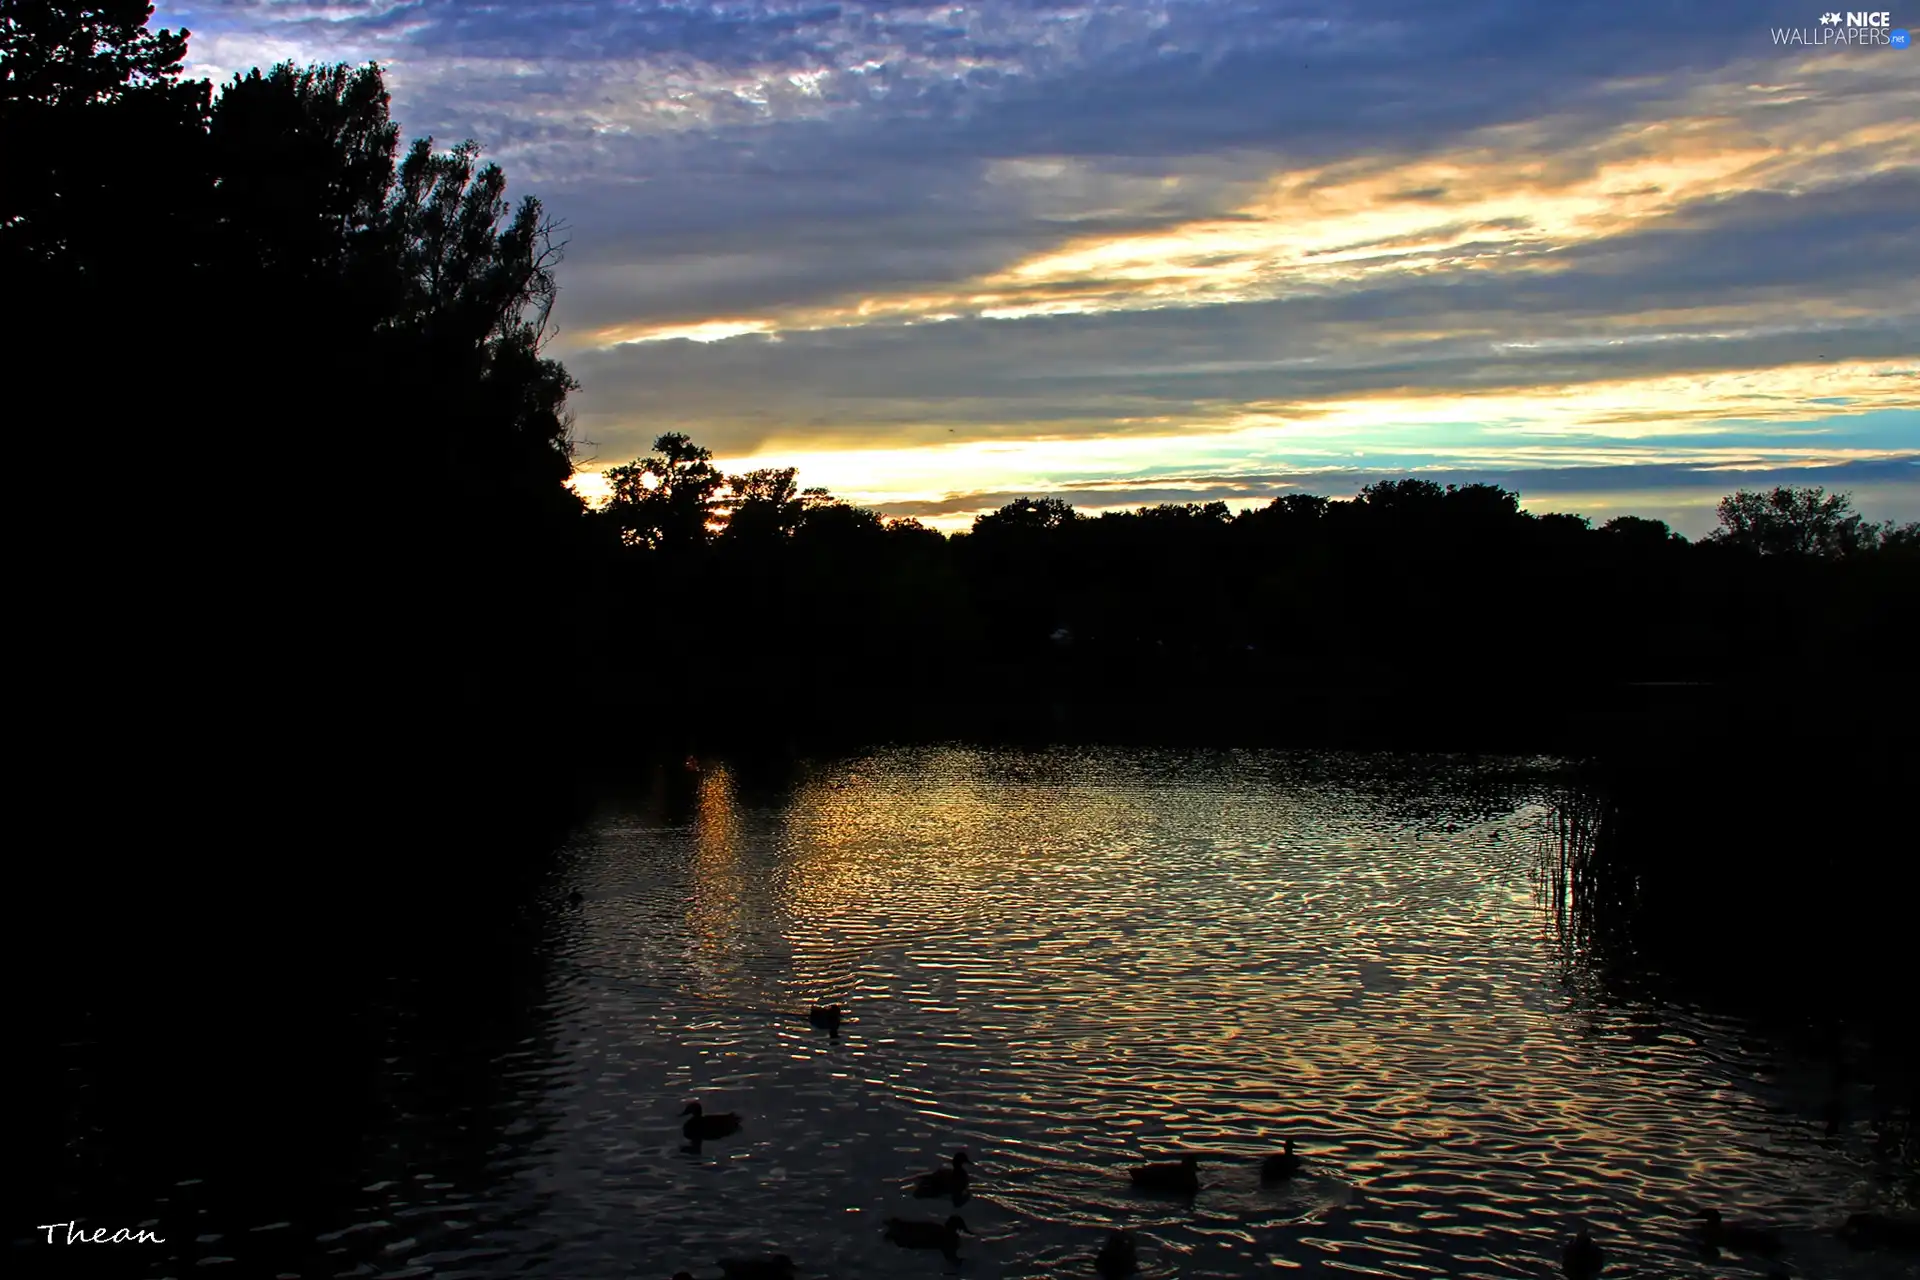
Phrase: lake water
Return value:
(1065, 963)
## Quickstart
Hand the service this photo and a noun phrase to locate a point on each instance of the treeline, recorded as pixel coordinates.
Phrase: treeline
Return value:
(1413, 614)
(244, 327)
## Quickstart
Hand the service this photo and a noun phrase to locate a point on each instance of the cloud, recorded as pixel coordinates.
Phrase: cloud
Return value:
(898, 239)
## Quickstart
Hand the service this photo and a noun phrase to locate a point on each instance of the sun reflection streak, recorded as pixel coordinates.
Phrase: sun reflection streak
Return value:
(719, 903)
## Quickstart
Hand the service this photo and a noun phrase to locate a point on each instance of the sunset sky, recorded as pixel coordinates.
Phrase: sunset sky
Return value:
(1622, 257)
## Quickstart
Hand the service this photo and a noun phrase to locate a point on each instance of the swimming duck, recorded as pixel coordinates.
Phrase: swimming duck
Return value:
(683, 1275)
(575, 898)
(1181, 1176)
(1717, 1233)
(911, 1233)
(1284, 1165)
(777, 1267)
(1581, 1258)
(950, 1181)
(700, 1125)
(1899, 1232)
(1117, 1257)
(825, 1015)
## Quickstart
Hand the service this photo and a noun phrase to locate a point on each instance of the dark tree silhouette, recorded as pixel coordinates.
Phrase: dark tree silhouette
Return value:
(1903, 540)
(1794, 522)
(1414, 613)
(1027, 513)
(79, 54)
(1638, 531)
(667, 501)
(764, 505)
(323, 544)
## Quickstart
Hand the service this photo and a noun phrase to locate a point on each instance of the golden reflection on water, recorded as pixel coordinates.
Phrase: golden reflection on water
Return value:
(1068, 961)
(720, 906)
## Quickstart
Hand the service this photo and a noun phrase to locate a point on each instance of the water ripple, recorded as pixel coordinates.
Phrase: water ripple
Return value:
(1070, 962)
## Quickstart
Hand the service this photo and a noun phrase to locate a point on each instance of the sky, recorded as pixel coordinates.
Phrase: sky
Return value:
(1622, 257)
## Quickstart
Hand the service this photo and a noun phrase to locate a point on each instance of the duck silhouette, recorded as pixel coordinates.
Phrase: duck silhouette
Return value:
(825, 1016)
(911, 1233)
(1118, 1256)
(951, 1180)
(777, 1267)
(700, 1125)
(1717, 1233)
(1580, 1258)
(1180, 1175)
(1277, 1167)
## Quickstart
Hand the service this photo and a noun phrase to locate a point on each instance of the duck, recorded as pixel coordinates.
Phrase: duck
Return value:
(777, 1267)
(575, 898)
(950, 1181)
(910, 1233)
(700, 1125)
(1899, 1232)
(683, 1275)
(1183, 1175)
(1117, 1257)
(1580, 1258)
(825, 1015)
(1284, 1165)
(1741, 1237)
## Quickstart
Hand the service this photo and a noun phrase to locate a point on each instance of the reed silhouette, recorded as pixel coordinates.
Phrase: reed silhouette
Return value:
(1766, 880)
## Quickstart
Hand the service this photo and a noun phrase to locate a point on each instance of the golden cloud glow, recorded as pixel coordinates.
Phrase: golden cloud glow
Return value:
(1507, 201)
(708, 331)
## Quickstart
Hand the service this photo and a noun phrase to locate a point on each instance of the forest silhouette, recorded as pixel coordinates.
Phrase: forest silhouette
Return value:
(1414, 614)
(249, 322)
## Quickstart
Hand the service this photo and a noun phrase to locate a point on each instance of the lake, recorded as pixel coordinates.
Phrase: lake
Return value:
(1064, 962)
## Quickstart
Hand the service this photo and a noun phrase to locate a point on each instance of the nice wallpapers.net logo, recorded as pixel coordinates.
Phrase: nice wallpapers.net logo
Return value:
(1837, 29)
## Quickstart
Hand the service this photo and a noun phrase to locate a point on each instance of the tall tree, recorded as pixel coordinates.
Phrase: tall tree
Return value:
(100, 136)
(764, 504)
(292, 341)
(1793, 522)
(57, 54)
(1026, 514)
(668, 500)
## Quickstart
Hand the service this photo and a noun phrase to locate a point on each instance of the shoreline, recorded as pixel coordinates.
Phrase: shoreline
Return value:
(1658, 725)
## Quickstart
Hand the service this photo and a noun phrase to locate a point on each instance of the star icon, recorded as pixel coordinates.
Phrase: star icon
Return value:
(1830, 19)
